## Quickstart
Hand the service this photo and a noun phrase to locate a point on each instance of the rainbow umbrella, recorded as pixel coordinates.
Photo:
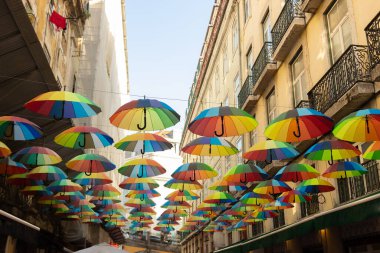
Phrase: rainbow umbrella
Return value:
(40, 190)
(296, 172)
(164, 229)
(145, 114)
(241, 209)
(62, 104)
(10, 167)
(182, 185)
(210, 146)
(331, 150)
(194, 171)
(181, 213)
(252, 198)
(315, 185)
(49, 200)
(64, 185)
(91, 219)
(264, 214)
(210, 207)
(146, 193)
(299, 124)
(244, 173)
(36, 156)
(176, 205)
(167, 222)
(345, 170)
(220, 198)
(182, 196)
(226, 218)
(270, 150)
(22, 179)
(69, 196)
(47, 173)
(93, 179)
(294, 196)
(114, 208)
(223, 121)
(4, 150)
(18, 129)
(139, 202)
(278, 205)
(82, 202)
(169, 216)
(250, 219)
(143, 143)
(103, 201)
(373, 151)
(224, 185)
(141, 168)
(90, 163)
(147, 210)
(359, 126)
(240, 226)
(131, 183)
(103, 191)
(272, 186)
(83, 137)
(142, 196)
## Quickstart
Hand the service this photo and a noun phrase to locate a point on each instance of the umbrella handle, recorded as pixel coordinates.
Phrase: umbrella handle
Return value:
(270, 158)
(11, 131)
(62, 112)
(80, 144)
(175, 210)
(144, 125)
(298, 133)
(366, 123)
(141, 169)
(183, 188)
(246, 162)
(89, 172)
(331, 161)
(245, 179)
(142, 198)
(192, 179)
(222, 133)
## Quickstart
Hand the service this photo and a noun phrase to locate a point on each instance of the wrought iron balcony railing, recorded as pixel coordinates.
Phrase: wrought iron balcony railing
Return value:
(245, 91)
(303, 104)
(290, 11)
(264, 58)
(373, 40)
(352, 67)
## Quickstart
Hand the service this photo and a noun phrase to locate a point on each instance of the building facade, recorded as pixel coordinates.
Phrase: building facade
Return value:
(270, 56)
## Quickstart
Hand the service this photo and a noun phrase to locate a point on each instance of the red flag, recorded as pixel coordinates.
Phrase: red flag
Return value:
(58, 20)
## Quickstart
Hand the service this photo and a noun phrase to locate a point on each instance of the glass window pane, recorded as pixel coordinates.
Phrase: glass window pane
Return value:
(346, 34)
(336, 46)
(304, 87)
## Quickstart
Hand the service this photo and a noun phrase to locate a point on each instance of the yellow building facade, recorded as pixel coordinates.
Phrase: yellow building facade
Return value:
(270, 56)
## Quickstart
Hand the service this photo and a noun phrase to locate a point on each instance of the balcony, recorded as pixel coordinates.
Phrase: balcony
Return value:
(246, 99)
(346, 86)
(303, 104)
(287, 29)
(373, 41)
(310, 6)
(264, 68)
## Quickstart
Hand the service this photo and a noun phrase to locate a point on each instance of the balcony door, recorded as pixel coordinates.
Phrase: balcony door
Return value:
(267, 35)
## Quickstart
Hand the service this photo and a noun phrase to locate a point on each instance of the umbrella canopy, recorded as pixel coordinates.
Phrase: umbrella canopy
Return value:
(103, 201)
(181, 213)
(10, 167)
(182, 196)
(69, 196)
(145, 114)
(360, 126)
(144, 196)
(36, 190)
(252, 198)
(47, 173)
(244, 173)
(315, 185)
(182, 185)
(146, 193)
(36, 156)
(220, 198)
(299, 124)
(49, 200)
(331, 150)
(131, 183)
(4, 150)
(210, 207)
(345, 170)
(139, 202)
(210, 146)
(143, 143)
(270, 150)
(64, 185)
(373, 151)
(90, 163)
(194, 171)
(103, 191)
(224, 185)
(91, 219)
(164, 229)
(83, 137)
(141, 168)
(294, 196)
(18, 129)
(240, 209)
(22, 179)
(278, 205)
(272, 186)
(223, 121)
(176, 205)
(296, 172)
(62, 104)
(93, 179)
(264, 214)
(101, 248)
(147, 210)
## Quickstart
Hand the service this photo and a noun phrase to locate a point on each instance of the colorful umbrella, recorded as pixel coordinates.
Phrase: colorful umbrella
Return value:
(90, 163)
(182, 196)
(147, 210)
(145, 114)
(270, 150)
(244, 173)
(93, 179)
(181, 213)
(252, 198)
(141, 168)
(194, 171)
(139, 202)
(296, 172)
(10, 167)
(224, 185)
(315, 185)
(131, 183)
(83, 137)
(36, 190)
(18, 129)
(22, 179)
(264, 214)
(4, 150)
(64, 185)
(69, 196)
(294, 196)
(143, 143)
(49, 200)
(47, 173)
(103, 201)
(143, 196)
(223, 121)
(345, 170)
(360, 126)
(36, 156)
(278, 205)
(271, 187)
(241, 209)
(210, 146)
(220, 198)
(176, 205)
(182, 185)
(373, 151)
(299, 124)
(149, 193)
(62, 104)
(103, 191)
(331, 150)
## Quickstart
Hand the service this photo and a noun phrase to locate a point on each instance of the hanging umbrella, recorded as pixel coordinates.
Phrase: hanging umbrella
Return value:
(182, 196)
(241, 209)
(373, 151)
(131, 183)
(36, 190)
(113, 209)
(93, 179)
(169, 216)
(296, 172)
(210, 146)
(220, 198)
(10, 167)
(82, 202)
(271, 187)
(252, 198)
(315, 185)
(103, 191)
(144, 193)
(91, 219)
(62, 104)
(90, 163)
(240, 226)
(143, 143)
(139, 202)
(181, 213)
(64, 185)
(345, 170)
(49, 200)
(182, 185)
(69, 196)
(223, 121)
(164, 229)
(278, 205)
(22, 179)
(359, 126)
(213, 207)
(194, 171)
(4, 150)
(103, 201)
(264, 214)
(299, 124)
(270, 150)
(47, 173)
(224, 185)
(331, 150)
(147, 210)
(294, 196)
(102, 248)
(18, 129)
(145, 114)
(167, 222)
(83, 137)
(36, 156)
(176, 205)
(141, 168)
(244, 173)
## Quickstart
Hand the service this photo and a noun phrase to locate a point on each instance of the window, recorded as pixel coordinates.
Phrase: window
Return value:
(235, 36)
(271, 106)
(243, 235)
(229, 238)
(257, 228)
(237, 88)
(279, 220)
(267, 35)
(339, 28)
(310, 207)
(247, 10)
(253, 137)
(299, 79)
(249, 60)
(225, 61)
